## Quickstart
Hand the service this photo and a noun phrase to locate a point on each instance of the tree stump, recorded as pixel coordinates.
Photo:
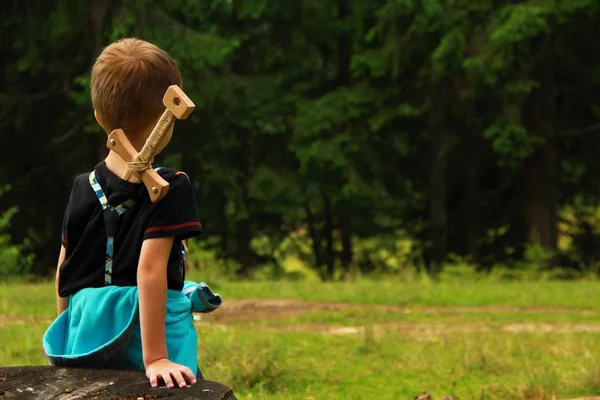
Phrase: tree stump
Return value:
(77, 383)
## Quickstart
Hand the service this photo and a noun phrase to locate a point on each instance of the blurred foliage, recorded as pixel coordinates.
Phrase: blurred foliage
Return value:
(13, 263)
(351, 136)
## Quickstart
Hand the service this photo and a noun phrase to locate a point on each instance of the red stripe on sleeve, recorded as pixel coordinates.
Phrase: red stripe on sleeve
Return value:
(172, 227)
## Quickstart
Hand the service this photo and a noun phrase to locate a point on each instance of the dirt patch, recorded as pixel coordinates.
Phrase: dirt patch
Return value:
(426, 331)
(268, 309)
(585, 398)
(18, 320)
(559, 328)
(257, 310)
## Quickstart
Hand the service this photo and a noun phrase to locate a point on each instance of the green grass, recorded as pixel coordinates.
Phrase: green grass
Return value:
(365, 316)
(580, 294)
(267, 360)
(38, 298)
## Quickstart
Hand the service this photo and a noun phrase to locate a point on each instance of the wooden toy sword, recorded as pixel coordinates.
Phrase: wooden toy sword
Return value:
(179, 106)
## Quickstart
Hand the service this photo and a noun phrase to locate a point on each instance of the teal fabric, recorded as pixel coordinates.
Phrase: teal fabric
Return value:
(101, 329)
(95, 319)
(202, 298)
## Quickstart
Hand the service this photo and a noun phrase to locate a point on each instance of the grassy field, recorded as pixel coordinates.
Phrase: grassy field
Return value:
(374, 339)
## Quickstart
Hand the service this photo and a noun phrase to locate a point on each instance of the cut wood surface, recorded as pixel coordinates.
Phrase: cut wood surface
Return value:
(73, 383)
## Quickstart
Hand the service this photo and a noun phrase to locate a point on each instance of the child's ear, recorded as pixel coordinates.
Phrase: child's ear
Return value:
(98, 119)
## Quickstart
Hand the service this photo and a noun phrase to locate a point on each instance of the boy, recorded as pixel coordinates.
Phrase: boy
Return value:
(145, 266)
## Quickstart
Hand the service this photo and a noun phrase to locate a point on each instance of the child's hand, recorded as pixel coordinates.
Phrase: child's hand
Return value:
(165, 369)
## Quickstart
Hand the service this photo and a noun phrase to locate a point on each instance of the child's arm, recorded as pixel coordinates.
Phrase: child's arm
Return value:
(61, 302)
(152, 286)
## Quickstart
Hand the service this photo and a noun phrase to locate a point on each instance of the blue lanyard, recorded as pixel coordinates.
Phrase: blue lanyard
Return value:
(111, 224)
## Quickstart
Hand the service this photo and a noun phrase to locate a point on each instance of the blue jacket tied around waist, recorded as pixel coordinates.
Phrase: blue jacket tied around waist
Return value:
(100, 328)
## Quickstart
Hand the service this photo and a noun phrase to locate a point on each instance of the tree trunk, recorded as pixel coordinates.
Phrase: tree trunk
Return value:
(440, 147)
(315, 237)
(328, 234)
(541, 198)
(243, 225)
(344, 51)
(437, 210)
(224, 223)
(79, 383)
(472, 213)
(346, 236)
(243, 253)
(244, 158)
(540, 169)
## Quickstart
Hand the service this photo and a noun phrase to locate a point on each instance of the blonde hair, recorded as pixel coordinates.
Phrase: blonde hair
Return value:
(129, 80)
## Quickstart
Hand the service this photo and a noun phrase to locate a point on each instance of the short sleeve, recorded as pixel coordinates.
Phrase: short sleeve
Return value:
(176, 214)
(63, 233)
(65, 224)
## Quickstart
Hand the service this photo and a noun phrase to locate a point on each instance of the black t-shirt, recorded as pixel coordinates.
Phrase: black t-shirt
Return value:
(84, 237)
